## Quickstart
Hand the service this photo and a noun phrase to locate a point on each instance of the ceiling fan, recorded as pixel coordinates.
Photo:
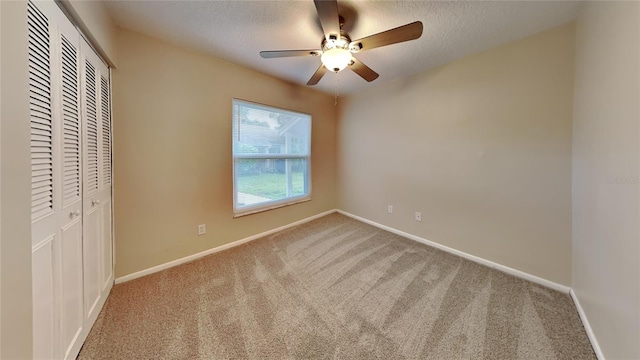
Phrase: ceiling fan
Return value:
(337, 49)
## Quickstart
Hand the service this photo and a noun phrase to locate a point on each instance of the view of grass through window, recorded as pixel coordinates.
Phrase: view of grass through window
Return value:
(270, 186)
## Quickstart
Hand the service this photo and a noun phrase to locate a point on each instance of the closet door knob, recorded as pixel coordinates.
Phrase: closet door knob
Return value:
(74, 214)
(95, 202)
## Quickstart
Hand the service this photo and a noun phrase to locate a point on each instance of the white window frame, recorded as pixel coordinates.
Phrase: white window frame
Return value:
(264, 206)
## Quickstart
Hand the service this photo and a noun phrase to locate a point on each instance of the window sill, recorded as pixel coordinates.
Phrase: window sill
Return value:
(269, 207)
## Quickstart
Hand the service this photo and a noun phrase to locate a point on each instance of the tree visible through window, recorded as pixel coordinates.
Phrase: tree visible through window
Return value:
(271, 157)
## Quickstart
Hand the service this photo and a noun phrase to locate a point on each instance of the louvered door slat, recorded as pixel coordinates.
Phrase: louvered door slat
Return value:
(69, 102)
(36, 14)
(40, 103)
(41, 121)
(68, 86)
(38, 78)
(69, 182)
(40, 115)
(70, 134)
(40, 110)
(39, 194)
(39, 106)
(37, 185)
(41, 152)
(40, 146)
(91, 143)
(39, 161)
(36, 57)
(39, 167)
(40, 133)
(69, 144)
(69, 73)
(38, 182)
(40, 140)
(41, 207)
(40, 126)
(106, 132)
(70, 124)
(38, 43)
(41, 204)
(42, 195)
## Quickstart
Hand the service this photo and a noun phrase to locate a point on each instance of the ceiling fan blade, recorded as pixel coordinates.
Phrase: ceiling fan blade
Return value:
(317, 75)
(363, 70)
(400, 34)
(328, 14)
(288, 53)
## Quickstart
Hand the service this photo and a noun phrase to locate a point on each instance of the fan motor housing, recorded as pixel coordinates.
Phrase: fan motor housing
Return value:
(333, 42)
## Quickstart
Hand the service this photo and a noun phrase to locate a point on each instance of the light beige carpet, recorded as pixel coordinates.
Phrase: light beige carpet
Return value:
(335, 288)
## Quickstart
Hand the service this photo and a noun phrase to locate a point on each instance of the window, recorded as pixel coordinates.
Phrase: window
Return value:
(271, 157)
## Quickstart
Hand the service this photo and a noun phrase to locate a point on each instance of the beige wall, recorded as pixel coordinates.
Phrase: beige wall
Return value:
(15, 189)
(606, 173)
(481, 146)
(172, 151)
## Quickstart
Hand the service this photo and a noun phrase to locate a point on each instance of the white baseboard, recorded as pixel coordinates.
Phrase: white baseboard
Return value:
(479, 260)
(488, 263)
(587, 326)
(214, 250)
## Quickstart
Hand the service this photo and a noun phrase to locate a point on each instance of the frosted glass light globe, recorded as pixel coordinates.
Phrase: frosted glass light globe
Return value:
(335, 59)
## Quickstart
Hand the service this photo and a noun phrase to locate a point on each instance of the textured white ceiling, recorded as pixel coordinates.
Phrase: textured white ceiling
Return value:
(238, 30)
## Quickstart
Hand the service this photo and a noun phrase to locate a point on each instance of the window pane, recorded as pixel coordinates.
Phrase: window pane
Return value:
(263, 130)
(271, 149)
(266, 180)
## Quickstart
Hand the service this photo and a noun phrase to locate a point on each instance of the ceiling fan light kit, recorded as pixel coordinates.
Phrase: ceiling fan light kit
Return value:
(336, 59)
(337, 49)
(335, 54)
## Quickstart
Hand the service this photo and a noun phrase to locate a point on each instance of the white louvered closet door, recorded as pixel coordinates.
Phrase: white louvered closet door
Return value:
(67, 76)
(98, 274)
(71, 240)
(56, 183)
(44, 228)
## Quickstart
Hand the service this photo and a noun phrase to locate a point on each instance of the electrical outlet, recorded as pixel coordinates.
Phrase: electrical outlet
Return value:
(418, 216)
(202, 229)
(390, 209)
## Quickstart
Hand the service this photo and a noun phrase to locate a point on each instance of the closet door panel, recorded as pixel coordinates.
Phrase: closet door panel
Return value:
(71, 314)
(107, 247)
(92, 212)
(105, 178)
(69, 187)
(91, 260)
(44, 323)
(43, 198)
(98, 264)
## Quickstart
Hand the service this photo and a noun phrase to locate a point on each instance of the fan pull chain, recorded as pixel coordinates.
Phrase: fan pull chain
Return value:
(336, 91)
